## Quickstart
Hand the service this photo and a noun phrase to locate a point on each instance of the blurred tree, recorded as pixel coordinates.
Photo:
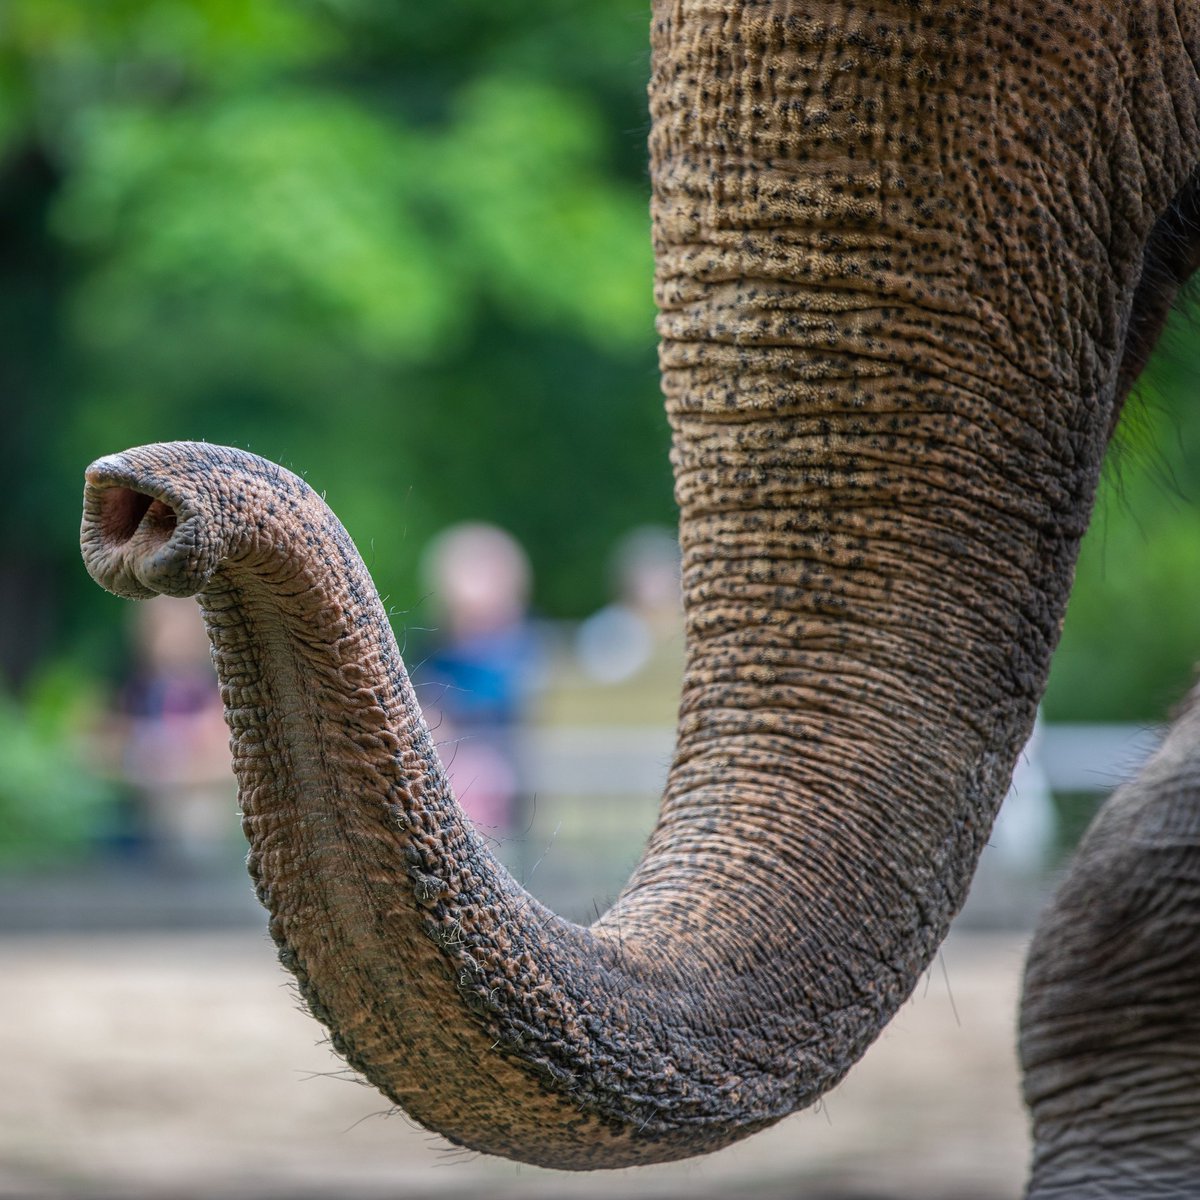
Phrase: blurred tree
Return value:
(34, 376)
(1131, 638)
(406, 250)
(51, 807)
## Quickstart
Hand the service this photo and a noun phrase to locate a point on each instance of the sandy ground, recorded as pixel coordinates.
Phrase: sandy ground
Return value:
(147, 1065)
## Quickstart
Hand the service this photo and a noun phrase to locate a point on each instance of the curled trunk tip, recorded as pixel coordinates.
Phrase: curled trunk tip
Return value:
(142, 532)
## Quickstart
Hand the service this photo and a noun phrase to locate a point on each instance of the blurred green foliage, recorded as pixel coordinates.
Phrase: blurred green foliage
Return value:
(404, 249)
(51, 806)
(1131, 638)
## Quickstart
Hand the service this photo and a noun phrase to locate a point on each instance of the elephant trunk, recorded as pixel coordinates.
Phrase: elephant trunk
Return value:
(878, 533)
(408, 939)
(799, 881)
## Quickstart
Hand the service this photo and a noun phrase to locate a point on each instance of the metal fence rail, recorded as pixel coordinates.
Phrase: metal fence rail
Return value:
(591, 797)
(631, 761)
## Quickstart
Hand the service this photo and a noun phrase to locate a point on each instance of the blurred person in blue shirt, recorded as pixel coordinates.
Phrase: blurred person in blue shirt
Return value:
(476, 680)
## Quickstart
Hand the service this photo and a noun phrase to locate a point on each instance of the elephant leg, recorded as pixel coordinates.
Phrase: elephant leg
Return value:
(1110, 1021)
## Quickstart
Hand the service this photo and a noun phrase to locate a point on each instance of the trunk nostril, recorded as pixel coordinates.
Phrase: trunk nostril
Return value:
(123, 511)
(160, 518)
(141, 535)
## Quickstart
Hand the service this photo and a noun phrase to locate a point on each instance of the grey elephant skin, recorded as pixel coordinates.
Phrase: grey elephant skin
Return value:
(909, 257)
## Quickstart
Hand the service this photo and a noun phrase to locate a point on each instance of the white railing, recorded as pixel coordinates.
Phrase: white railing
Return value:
(630, 761)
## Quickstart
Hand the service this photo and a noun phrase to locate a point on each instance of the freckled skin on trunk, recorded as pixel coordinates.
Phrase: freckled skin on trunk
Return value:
(891, 343)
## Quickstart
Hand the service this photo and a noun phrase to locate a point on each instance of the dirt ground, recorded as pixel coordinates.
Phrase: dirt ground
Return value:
(179, 1066)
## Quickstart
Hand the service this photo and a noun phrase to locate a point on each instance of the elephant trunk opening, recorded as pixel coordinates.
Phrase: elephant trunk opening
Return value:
(137, 543)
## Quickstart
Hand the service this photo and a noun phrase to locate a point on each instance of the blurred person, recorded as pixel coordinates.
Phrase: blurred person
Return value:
(171, 742)
(477, 679)
(618, 642)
